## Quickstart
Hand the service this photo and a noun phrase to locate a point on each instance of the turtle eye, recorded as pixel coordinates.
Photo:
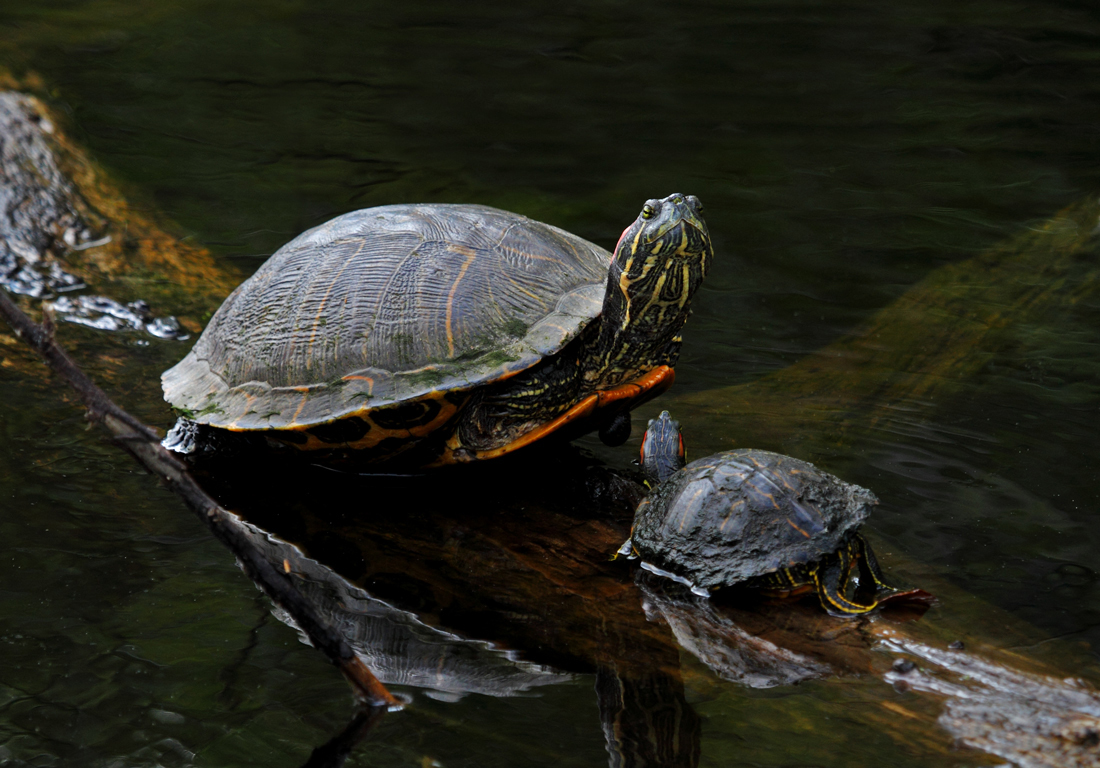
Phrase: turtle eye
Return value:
(648, 212)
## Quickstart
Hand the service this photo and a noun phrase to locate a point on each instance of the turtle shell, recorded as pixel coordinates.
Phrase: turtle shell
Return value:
(387, 305)
(740, 514)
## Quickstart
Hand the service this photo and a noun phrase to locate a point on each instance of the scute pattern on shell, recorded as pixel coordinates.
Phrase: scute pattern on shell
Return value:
(745, 513)
(386, 305)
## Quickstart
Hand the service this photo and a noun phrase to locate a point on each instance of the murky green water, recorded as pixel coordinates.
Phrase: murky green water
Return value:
(844, 151)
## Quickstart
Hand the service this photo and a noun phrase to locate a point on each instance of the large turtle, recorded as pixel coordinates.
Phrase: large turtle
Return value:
(754, 518)
(447, 333)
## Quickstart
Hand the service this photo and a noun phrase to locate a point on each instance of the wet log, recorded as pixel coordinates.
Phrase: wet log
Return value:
(59, 210)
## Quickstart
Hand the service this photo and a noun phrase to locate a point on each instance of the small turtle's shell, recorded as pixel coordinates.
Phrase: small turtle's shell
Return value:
(389, 305)
(741, 514)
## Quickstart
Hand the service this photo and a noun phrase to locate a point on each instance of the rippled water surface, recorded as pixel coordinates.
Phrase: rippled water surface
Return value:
(850, 155)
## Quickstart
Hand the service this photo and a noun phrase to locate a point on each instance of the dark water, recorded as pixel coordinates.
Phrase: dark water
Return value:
(844, 152)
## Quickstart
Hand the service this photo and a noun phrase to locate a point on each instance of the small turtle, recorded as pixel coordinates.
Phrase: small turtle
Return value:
(753, 518)
(447, 333)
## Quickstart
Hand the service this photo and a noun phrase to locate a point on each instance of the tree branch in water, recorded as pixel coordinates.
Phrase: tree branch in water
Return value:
(144, 445)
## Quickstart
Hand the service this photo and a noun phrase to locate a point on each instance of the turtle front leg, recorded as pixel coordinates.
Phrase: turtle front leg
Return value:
(831, 578)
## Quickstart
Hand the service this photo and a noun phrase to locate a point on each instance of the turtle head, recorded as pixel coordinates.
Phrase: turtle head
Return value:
(659, 262)
(662, 449)
(662, 257)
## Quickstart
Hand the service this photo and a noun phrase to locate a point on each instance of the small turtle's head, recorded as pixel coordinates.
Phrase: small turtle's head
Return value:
(662, 449)
(660, 261)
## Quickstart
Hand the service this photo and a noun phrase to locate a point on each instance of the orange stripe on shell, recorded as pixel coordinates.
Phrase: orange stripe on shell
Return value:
(470, 255)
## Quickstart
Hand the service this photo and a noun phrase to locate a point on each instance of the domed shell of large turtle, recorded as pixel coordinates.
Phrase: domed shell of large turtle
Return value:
(386, 305)
(739, 514)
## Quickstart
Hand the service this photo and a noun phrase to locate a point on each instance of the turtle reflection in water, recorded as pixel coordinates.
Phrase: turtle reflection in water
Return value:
(446, 333)
(756, 519)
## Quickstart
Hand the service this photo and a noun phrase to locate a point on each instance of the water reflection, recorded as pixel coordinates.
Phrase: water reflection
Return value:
(412, 572)
(398, 647)
(334, 752)
(524, 565)
(726, 648)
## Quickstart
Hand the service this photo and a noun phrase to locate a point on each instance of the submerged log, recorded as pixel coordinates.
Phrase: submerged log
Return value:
(915, 353)
(64, 225)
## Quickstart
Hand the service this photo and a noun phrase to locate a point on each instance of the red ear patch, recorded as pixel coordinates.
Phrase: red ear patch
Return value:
(682, 453)
(621, 238)
(641, 452)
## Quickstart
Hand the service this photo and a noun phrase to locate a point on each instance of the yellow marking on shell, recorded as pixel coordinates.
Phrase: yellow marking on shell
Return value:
(521, 289)
(247, 407)
(798, 529)
(686, 507)
(493, 303)
(770, 498)
(559, 328)
(470, 255)
(324, 300)
(733, 509)
(301, 405)
(368, 379)
(527, 255)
